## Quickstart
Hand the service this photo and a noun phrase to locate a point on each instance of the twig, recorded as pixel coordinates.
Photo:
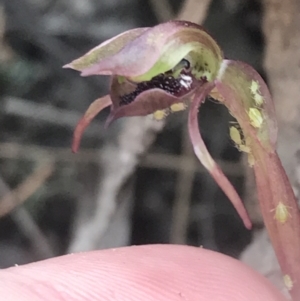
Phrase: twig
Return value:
(21, 193)
(6, 53)
(46, 113)
(29, 228)
(119, 162)
(191, 10)
(184, 186)
(194, 10)
(154, 160)
(28, 24)
(175, 162)
(162, 9)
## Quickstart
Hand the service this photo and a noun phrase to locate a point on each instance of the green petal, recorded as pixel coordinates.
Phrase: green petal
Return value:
(151, 52)
(190, 42)
(105, 50)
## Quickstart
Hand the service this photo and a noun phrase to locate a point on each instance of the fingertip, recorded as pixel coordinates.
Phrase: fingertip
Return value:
(152, 272)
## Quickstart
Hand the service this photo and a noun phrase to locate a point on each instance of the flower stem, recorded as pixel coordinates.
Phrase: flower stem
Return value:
(281, 216)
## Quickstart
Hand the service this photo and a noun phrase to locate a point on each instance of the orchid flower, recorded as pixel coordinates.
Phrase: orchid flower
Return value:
(176, 65)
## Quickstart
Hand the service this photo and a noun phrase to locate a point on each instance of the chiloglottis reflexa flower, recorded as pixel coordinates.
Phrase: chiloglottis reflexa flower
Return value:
(173, 65)
(178, 64)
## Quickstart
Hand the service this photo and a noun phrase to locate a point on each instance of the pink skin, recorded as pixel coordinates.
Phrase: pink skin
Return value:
(139, 273)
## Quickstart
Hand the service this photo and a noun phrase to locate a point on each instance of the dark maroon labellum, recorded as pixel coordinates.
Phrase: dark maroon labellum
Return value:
(164, 81)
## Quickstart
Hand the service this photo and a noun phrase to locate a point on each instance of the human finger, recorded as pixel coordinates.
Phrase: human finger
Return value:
(152, 272)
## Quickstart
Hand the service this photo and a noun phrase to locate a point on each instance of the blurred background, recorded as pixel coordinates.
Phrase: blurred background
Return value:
(137, 182)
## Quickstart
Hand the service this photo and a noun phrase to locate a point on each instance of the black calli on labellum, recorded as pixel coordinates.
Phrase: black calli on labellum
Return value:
(177, 85)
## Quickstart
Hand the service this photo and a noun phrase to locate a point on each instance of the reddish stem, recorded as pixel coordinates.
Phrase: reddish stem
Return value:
(283, 225)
